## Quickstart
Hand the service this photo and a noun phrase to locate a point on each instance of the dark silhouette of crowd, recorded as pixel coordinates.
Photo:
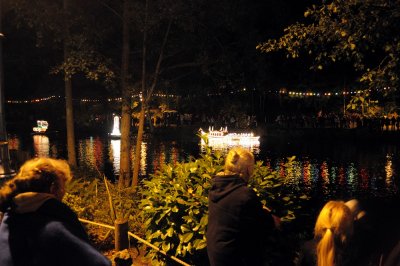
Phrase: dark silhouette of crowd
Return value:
(336, 120)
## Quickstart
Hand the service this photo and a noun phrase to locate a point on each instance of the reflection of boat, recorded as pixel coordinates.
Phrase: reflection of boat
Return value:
(115, 153)
(218, 138)
(41, 127)
(41, 145)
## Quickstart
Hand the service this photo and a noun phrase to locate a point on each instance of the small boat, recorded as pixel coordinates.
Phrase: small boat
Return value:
(222, 137)
(41, 127)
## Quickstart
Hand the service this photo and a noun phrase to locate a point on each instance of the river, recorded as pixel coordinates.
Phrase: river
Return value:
(331, 168)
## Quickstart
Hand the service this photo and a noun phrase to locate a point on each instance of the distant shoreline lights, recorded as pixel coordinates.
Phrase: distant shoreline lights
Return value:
(282, 91)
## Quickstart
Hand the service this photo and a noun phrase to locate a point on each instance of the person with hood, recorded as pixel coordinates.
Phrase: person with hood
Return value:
(37, 228)
(238, 224)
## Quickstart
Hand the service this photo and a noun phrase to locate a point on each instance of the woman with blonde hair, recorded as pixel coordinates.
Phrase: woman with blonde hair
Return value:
(332, 234)
(37, 228)
(237, 222)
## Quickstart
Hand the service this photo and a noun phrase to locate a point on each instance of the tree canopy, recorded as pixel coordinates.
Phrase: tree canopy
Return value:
(361, 32)
(210, 47)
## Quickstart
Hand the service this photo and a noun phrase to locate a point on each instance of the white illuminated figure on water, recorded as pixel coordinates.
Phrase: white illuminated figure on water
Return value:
(115, 132)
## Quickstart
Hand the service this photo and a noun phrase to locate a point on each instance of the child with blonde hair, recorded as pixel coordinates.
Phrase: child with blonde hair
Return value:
(239, 161)
(332, 232)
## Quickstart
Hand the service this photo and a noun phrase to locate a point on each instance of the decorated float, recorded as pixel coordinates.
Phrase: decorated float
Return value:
(224, 138)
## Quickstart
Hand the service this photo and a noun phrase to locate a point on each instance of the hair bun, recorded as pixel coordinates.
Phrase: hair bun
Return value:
(235, 158)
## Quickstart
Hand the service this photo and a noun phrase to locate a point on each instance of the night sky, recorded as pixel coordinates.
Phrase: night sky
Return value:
(235, 63)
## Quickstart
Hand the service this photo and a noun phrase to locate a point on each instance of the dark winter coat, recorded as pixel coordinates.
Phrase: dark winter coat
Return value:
(51, 235)
(237, 223)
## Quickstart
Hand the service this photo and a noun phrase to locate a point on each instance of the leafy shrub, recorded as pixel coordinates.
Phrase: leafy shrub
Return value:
(275, 192)
(93, 199)
(175, 205)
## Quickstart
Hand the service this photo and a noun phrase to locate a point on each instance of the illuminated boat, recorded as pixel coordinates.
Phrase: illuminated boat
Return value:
(41, 127)
(221, 137)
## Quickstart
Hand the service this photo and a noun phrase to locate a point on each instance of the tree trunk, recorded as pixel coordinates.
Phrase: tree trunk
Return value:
(146, 96)
(5, 169)
(139, 139)
(70, 121)
(136, 163)
(68, 99)
(125, 170)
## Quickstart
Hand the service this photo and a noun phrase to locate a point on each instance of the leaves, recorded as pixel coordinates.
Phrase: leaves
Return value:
(363, 33)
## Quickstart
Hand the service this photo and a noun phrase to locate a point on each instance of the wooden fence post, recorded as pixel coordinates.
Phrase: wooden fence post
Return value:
(122, 242)
(121, 234)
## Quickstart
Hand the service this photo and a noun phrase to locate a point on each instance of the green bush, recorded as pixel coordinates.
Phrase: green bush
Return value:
(174, 205)
(95, 200)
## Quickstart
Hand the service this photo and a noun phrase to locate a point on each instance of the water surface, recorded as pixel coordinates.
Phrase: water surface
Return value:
(329, 169)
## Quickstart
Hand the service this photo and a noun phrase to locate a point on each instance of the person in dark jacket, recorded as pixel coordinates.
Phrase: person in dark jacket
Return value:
(237, 222)
(37, 228)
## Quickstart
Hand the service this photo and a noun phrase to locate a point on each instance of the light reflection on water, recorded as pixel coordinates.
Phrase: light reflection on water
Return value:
(389, 170)
(115, 150)
(333, 180)
(96, 152)
(223, 148)
(41, 145)
(373, 172)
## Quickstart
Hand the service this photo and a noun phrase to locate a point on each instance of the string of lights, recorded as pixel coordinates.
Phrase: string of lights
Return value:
(57, 97)
(283, 91)
(319, 94)
(304, 93)
(38, 100)
(83, 100)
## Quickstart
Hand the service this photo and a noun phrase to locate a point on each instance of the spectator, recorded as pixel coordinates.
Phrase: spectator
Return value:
(237, 223)
(332, 234)
(37, 228)
(355, 208)
(365, 236)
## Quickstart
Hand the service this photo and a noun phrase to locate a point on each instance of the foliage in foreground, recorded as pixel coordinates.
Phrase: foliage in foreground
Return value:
(170, 209)
(175, 205)
(94, 198)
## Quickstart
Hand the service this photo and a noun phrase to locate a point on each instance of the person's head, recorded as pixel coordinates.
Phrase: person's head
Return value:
(239, 161)
(355, 209)
(333, 229)
(43, 175)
